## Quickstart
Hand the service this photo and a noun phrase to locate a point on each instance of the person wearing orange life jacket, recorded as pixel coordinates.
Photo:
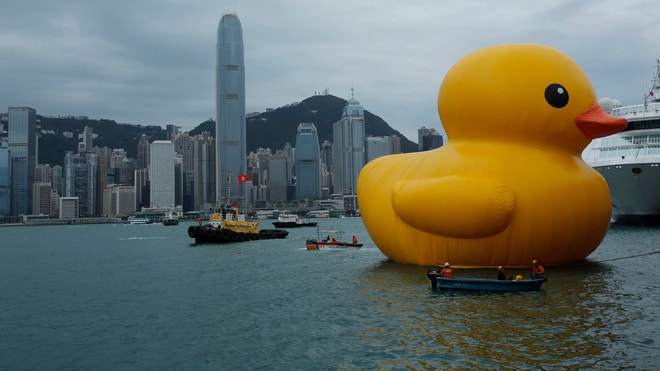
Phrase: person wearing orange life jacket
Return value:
(447, 272)
(355, 240)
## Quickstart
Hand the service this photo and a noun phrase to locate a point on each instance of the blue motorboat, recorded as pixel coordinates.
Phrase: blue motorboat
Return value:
(484, 284)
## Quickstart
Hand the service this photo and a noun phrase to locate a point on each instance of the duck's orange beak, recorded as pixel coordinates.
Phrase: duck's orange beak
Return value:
(597, 123)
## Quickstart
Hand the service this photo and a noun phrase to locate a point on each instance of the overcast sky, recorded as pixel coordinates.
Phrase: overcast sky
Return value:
(152, 62)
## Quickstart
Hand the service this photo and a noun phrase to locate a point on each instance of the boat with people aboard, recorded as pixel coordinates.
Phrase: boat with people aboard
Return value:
(332, 241)
(292, 221)
(170, 218)
(227, 225)
(630, 160)
(484, 284)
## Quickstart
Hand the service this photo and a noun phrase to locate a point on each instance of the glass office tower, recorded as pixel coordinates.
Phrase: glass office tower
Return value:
(22, 152)
(308, 163)
(349, 147)
(161, 173)
(230, 111)
(5, 196)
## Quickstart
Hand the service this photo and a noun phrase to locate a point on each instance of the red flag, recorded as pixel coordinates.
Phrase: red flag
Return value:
(242, 178)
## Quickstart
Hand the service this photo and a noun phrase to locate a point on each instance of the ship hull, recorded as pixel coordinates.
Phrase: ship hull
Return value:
(635, 191)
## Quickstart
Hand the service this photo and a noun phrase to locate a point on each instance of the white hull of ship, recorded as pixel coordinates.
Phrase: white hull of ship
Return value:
(635, 191)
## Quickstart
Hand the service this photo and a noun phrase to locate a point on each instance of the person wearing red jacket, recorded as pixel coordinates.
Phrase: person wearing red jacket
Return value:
(447, 272)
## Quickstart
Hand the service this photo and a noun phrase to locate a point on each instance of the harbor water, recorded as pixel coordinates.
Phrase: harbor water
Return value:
(116, 296)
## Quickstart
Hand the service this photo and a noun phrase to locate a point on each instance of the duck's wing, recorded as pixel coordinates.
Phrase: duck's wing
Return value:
(455, 206)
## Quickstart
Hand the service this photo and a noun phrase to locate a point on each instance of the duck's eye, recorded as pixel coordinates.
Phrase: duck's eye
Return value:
(556, 95)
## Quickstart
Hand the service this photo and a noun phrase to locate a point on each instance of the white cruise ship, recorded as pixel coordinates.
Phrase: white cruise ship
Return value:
(630, 160)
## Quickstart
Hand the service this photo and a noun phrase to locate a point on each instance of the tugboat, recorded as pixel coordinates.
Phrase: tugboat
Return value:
(227, 225)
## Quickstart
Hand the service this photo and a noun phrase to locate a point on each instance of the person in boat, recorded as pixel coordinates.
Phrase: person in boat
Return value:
(537, 270)
(355, 240)
(500, 273)
(327, 239)
(447, 272)
(333, 240)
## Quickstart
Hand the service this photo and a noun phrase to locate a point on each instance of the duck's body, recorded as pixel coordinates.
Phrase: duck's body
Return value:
(509, 186)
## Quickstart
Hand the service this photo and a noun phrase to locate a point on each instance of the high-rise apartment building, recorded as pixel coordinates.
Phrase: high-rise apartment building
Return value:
(22, 152)
(161, 174)
(308, 163)
(348, 147)
(230, 111)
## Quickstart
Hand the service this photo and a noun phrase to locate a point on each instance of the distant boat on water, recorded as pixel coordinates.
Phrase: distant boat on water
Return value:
(170, 218)
(292, 221)
(318, 214)
(138, 220)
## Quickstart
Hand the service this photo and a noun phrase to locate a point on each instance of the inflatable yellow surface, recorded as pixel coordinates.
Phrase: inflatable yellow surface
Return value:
(509, 186)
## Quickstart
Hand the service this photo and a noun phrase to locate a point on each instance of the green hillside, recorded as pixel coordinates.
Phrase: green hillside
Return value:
(275, 128)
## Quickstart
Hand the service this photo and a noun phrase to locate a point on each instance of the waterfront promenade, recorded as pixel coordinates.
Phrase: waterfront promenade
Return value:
(105, 220)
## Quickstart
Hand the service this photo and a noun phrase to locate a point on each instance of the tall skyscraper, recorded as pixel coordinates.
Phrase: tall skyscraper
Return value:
(80, 181)
(277, 178)
(22, 152)
(5, 199)
(349, 147)
(230, 111)
(308, 163)
(102, 161)
(184, 147)
(204, 171)
(142, 189)
(143, 153)
(161, 174)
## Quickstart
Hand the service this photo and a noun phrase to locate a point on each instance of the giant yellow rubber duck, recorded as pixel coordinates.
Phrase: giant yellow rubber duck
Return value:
(509, 186)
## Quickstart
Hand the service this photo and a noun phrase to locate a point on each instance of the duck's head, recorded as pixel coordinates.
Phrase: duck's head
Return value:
(523, 93)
